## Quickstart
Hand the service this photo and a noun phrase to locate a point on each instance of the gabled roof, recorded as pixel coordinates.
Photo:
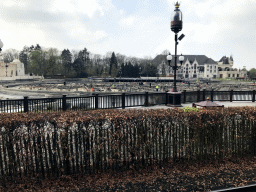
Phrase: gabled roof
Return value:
(201, 59)
(158, 59)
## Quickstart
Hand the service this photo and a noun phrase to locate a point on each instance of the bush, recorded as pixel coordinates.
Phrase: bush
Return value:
(189, 109)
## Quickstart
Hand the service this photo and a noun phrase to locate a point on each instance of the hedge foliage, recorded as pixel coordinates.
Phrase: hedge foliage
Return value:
(59, 143)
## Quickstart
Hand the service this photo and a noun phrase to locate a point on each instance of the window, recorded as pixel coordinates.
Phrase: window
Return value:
(233, 75)
(210, 71)
(207, 69)
(228, 75)
(214, 71)
(237, 75)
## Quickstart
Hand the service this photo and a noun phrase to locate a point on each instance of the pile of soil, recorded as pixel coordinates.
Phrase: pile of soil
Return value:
(179, 176)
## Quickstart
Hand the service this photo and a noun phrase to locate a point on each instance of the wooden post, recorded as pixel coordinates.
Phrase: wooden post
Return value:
(253, 96)
(204, 95)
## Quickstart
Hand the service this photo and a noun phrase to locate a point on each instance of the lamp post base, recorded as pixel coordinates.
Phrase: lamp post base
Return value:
(174, 99)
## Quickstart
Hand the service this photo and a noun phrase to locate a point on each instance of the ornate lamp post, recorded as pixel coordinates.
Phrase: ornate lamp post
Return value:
(174, 97)
(120, 72)
(6, 66)
(175, 67)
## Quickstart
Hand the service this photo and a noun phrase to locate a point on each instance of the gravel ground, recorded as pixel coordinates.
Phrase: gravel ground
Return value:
(173, 177)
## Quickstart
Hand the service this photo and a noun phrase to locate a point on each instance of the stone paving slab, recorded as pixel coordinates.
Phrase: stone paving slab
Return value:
(226, 104)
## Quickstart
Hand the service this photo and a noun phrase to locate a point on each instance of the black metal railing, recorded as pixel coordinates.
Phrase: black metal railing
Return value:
(123, 101)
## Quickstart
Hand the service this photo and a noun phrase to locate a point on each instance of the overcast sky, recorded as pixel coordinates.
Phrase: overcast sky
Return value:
(139, 28)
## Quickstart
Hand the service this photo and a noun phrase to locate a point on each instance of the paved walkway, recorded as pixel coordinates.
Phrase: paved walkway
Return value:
(226, 104)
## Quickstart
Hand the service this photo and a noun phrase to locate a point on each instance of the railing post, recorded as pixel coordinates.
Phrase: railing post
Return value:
(198, 95)
(231, 95)
(253, 96)
(204, 95)
(184, 96)
(25, 104)
(212, 95)
(123, 100)
(146, 99)
(64, 102)
(166, 97)
(96, 101)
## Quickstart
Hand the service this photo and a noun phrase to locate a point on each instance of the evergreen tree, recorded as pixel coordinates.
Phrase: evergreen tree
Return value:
(24, 57)
(136, 70)
(38, 47)
(252, 73)
(129, 69)
(37, 64)
(66, 59)
(81, 63)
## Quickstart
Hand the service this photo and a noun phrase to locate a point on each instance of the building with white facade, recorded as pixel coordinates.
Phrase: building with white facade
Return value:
(15, 68)
(14, 71)
(199, 66)
(194, 66)
(225, 69)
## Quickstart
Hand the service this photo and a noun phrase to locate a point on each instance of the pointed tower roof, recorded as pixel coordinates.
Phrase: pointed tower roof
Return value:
(231, 58)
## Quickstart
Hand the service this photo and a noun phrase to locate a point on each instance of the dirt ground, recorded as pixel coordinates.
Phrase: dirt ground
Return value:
(178, 176)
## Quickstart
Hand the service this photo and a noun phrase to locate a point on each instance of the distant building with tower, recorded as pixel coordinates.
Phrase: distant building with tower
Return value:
(15, 68)
(199, 66)
(14, 71)
(225, 69)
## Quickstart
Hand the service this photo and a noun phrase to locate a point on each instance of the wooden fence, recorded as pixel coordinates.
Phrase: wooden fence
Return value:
(85, 142)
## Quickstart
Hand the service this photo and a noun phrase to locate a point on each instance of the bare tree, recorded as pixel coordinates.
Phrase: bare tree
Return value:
(120, 58)
(10, 54)
(165, 52)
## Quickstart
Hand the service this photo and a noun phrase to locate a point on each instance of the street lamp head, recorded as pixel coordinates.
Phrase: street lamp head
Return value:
(181, 59)
(169, 57)
(176, 19)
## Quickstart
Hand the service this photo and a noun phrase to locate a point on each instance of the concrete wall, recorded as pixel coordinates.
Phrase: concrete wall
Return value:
(26, 77)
